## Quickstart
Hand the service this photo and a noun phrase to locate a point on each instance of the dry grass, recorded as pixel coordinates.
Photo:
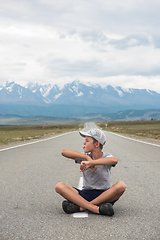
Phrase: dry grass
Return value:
(9, 134)
(147, 129)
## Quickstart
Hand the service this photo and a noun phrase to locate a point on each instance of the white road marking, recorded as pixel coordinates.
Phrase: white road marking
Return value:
(156, 145)
(29, 143)
(80, 184)
(80, 214)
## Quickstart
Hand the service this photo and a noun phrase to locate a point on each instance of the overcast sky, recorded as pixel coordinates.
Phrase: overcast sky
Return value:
(114, 42)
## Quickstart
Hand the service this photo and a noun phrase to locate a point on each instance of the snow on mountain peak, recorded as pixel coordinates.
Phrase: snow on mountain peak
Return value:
(58, 95)
(70, 90)
(149, 91)
(70, 93)
(45, 90)
(120, 92)
(129, 90)
(78, 94)
(9, 86)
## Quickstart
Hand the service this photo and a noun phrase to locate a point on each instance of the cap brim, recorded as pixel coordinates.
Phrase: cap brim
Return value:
(84, 134)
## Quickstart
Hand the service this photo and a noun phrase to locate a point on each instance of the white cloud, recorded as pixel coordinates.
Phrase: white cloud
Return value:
(102, 41)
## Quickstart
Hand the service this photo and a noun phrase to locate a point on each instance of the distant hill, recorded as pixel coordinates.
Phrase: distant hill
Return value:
(78, 100)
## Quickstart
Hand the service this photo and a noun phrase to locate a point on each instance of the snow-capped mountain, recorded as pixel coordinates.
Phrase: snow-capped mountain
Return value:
(77, 93)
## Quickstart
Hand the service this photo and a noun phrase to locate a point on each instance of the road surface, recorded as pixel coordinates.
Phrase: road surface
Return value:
(31, 209)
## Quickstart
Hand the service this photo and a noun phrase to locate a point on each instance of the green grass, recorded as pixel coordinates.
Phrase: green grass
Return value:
(9, 134)
(147, 129)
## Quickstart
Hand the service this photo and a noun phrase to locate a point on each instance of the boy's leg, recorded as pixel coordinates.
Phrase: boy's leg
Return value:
(110, 195)
(72, 195)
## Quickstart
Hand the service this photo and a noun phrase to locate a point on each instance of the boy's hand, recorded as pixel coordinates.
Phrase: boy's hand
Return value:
(94, 168)
(87, 164)
(82, 167)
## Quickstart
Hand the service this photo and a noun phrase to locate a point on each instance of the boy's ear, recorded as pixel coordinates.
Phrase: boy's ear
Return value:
(97, 144)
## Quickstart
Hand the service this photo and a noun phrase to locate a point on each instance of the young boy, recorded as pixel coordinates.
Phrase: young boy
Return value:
(97, 194)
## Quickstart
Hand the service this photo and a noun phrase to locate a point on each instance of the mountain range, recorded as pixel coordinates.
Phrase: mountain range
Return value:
(73, 100)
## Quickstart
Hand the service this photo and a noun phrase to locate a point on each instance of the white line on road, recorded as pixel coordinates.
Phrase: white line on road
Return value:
(80, 184)
(29, 143)
(156, 145)
(80, 214)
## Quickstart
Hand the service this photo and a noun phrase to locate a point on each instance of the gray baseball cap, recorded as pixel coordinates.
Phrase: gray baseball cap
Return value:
(96, 134)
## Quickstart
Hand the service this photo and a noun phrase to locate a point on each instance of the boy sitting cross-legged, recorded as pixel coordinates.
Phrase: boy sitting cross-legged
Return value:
(97, 194)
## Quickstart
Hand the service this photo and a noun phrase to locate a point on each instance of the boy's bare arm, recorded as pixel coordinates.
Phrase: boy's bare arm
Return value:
(106, 161)
(74, 154)
(102, 161)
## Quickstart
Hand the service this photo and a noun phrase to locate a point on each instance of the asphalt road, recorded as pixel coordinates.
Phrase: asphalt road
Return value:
(31, 209)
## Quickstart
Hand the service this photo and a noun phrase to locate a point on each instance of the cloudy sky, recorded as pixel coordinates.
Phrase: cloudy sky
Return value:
(113, 42)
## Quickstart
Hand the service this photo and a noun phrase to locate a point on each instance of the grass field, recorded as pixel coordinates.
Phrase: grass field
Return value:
(147, 129)
(9, 134)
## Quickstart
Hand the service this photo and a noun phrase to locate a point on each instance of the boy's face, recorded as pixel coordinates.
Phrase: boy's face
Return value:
(88, 144)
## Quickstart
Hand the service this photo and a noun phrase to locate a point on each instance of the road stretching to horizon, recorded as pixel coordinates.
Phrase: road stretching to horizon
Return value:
(31, 209)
